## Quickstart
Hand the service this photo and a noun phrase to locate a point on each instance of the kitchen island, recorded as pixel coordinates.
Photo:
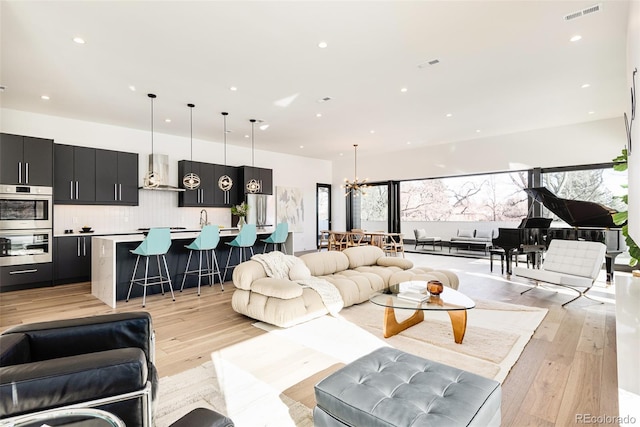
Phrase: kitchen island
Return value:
(112, 262)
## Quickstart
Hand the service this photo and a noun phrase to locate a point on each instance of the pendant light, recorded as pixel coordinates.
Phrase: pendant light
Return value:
(225, 183)
(253, 186)
(152, 179)
(191, 181)
(355, 187)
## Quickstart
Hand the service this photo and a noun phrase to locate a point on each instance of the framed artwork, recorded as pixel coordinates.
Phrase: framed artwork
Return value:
(290, 207)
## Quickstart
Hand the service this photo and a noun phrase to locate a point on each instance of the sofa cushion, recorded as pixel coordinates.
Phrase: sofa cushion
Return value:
(387, 261)
(484, 234)
(246, 273)
(465, 232)
(299, 270)
(420, 233)
(323, 263)
(363, 255)
(277, 288)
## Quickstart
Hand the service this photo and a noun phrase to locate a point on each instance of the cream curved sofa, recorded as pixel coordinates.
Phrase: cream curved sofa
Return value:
(356, 272)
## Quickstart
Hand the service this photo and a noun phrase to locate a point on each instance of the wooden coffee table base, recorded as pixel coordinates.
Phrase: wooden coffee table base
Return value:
(392, 327)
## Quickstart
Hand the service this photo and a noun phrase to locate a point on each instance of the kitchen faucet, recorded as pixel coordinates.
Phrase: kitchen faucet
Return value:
(204, 221)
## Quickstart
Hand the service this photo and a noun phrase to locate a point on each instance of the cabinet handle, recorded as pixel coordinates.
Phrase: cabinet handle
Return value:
(26, 173)
(77, 192)
(120, 192)
(19, 172)
(35, 270)
(115, 191)
(71, 190)
(78, 241)
(84, 246)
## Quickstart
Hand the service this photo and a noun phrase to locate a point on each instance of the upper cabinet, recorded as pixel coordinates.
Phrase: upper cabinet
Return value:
(264, 177)
(208, 194)
(89, 176)
(26, 160)
(116, 178)
(74, 178)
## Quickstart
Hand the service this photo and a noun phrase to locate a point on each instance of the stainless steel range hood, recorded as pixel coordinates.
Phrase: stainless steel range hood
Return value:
(159, 164)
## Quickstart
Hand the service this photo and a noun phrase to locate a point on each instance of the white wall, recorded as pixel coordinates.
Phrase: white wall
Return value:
(585, 143)
(160, 208)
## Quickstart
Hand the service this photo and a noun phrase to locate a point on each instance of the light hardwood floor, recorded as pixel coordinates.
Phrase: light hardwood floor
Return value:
(568, 368)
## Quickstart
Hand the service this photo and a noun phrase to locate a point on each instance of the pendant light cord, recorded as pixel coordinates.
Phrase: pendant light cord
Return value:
(355, 161)
(224, 116)
(253, 122)
(191, 124)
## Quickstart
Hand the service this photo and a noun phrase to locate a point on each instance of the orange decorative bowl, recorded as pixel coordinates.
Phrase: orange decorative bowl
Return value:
(435, 287)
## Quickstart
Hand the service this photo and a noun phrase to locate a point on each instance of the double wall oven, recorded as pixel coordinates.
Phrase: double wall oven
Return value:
(26, 226)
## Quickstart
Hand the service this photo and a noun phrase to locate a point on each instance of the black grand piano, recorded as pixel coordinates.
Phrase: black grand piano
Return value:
(590, 221)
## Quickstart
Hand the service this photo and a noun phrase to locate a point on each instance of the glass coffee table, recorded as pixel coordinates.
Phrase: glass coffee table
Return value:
(453, 302)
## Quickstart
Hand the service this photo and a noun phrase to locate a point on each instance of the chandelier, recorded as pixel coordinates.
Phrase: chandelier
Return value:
(355, 187)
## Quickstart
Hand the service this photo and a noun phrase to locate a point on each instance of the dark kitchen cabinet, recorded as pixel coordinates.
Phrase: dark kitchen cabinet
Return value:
(203, 196)
(116, 176)
(72, 259)
(15, 277)
(26, 160)
(74, 177)
(262, 175)
(233, 196)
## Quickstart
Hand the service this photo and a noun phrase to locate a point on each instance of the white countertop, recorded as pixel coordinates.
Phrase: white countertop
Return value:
(175, 234)
(230, 231)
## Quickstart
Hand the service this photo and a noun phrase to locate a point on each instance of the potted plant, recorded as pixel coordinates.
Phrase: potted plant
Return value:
(240, 211)
(622, 217)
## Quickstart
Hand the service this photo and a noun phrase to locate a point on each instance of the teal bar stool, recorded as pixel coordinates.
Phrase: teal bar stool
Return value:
(206, 241)
(245, 239)
(278, 237)
(157, 243)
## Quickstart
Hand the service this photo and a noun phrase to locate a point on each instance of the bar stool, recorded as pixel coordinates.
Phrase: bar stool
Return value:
(245, 239)
(206, 241)
(157, 243)
(278, 237)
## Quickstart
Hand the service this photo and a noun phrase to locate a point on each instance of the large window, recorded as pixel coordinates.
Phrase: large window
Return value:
(601, 185)
(487, 197)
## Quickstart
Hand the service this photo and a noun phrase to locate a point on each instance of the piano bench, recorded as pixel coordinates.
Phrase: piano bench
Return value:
(499, 252)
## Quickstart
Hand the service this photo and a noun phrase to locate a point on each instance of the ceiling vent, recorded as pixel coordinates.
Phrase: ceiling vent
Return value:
(583, 12)
(427, 63)
(325, 99)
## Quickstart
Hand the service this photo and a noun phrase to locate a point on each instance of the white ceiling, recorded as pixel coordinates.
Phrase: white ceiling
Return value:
(505, 66)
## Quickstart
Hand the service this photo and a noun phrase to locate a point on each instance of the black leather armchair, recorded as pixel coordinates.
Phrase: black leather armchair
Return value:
(102, 361)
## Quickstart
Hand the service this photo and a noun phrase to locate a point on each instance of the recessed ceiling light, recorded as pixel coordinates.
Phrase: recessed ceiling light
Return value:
(264, 127)
(586, 85)
(302, 146)
(246, 136)
(449, 115)
(45, 97)
(591, 112)
(78, 40)
(233, 88)
(322, 45)
(372, 131)
(341, 154)
(408, 142)
(404, 89)
(132, 88)
(478, 131)
(575, 38)
(318, 114)
(167, 120)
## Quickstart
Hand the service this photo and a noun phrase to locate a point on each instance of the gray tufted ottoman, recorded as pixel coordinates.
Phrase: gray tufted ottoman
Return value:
(389, 387)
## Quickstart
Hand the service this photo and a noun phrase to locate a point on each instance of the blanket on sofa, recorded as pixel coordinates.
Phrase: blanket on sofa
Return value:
(281, 266)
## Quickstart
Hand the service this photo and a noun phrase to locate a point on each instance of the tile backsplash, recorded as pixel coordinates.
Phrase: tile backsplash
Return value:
(156, 209)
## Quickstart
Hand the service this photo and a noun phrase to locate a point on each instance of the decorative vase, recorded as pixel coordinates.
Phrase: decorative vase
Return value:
(240, 222)
(435, 287)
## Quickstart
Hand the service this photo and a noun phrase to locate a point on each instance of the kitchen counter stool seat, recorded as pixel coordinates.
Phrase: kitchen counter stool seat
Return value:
(206, 241)
(245, 239)
(278, 237)
(157, 243)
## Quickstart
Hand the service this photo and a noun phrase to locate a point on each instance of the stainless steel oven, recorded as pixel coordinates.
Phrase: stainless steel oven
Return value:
(25, 246)
(25, 207)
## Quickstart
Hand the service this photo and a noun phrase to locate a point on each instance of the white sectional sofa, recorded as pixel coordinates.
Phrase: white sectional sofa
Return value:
(356, 272)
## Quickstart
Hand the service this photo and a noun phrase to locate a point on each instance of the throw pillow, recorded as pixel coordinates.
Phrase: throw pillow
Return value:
(299, 271)
(421, 233)
(483, 234)
(462, 232)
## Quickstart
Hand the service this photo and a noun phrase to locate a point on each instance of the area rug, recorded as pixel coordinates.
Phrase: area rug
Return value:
(268, 380)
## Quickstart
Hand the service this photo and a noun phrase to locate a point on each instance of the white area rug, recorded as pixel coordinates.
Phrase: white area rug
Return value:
(248, 381)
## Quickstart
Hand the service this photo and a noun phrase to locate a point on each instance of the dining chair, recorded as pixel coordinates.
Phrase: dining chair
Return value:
(394, 244)
(207, 241)
(156, 243)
